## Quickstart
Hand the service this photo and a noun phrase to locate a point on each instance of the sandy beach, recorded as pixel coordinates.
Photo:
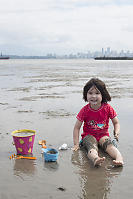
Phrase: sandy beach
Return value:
(45, 96)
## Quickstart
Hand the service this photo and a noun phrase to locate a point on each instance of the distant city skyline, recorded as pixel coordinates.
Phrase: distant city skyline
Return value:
(64, 26)
(107, 52)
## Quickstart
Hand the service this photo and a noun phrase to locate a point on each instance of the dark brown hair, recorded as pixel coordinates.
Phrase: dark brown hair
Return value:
(100, 85)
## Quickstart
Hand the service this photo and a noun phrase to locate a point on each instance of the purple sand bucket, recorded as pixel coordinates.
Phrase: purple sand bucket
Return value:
(23, 140)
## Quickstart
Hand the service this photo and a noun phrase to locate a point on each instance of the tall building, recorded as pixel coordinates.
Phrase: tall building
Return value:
(102, 51)
(108, 50)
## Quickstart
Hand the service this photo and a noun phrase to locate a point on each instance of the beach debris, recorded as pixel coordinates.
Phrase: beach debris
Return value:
(43, 143)
(61, 188)
(63, 147)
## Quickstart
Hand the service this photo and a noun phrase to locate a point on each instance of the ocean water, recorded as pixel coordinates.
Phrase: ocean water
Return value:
(45, 96)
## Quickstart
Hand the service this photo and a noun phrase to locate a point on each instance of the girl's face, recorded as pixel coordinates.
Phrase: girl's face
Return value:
(94, 97)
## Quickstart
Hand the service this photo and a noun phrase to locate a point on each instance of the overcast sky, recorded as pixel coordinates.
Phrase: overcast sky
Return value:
(38, 27)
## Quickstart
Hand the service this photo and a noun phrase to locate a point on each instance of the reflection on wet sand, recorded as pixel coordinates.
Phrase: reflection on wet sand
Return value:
(95, 181)
(51, 166)
(23, 166)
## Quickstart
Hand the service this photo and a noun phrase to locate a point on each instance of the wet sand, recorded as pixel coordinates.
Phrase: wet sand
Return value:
(45, 96)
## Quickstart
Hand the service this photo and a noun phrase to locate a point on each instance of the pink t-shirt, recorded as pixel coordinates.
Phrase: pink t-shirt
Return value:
(96, 122)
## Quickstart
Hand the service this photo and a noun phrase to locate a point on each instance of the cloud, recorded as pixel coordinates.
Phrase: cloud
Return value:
(128, 28)
(63, 26)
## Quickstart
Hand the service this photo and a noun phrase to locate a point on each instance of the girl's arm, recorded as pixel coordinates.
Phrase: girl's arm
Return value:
(116, 125)
(76, 131)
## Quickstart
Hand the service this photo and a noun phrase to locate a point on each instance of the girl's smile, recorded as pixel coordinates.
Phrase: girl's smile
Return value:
(94, 97)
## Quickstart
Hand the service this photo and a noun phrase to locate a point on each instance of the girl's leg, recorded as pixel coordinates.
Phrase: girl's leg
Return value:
(93, 156)
(105, 142)
(91, 145)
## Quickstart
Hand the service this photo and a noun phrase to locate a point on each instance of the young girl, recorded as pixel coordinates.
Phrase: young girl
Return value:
(95, 118)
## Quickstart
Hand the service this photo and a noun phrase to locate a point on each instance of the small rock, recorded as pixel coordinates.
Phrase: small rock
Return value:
(61, 188)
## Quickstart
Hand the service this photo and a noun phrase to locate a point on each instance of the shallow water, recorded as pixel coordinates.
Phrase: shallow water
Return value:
(45, 96)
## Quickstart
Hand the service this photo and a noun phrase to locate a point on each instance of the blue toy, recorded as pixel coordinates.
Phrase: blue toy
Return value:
(50, 154)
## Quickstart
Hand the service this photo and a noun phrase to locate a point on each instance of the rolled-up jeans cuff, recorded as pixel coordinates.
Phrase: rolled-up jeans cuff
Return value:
(90, 142)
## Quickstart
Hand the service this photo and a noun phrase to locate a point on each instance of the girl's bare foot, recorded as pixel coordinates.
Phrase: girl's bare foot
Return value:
(118, 163)
(98, 161)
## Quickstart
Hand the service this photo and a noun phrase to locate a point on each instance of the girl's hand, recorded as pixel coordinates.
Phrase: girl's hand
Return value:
(116, 136)
(76, 147)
